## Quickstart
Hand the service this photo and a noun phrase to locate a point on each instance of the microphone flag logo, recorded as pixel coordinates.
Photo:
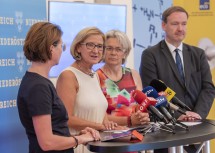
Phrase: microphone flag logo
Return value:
(170, 93)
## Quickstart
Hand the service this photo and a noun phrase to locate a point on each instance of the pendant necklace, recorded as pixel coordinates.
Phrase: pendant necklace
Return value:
(88, 72)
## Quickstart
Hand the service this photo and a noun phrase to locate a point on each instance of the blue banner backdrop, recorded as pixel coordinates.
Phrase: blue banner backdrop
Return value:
(16, 17)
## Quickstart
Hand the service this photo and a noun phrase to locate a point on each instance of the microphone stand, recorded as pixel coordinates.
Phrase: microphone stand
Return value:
(178, 123)
(173, 123)
(164, 127)
(158, 125)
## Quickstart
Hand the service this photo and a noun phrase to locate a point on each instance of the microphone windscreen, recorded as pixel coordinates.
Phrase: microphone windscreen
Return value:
(158, 85)
(161, 101)
(150, 92)
(138, 96)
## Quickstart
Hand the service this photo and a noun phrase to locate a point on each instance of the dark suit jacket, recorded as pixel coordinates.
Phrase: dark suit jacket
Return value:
(198, 93)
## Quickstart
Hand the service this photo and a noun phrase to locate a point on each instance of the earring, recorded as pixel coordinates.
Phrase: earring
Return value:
(78, 57)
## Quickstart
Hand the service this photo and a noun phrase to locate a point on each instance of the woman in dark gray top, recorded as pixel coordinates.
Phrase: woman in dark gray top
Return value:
(41, 111)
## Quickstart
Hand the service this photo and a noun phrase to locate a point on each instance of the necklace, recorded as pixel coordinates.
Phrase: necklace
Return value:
(113, 74)
(88, 72)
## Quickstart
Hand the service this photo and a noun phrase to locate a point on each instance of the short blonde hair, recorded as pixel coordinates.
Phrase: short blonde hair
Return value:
(81, 37)
(122, 39)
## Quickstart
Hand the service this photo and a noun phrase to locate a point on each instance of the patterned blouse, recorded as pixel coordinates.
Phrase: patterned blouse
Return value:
(120, 103)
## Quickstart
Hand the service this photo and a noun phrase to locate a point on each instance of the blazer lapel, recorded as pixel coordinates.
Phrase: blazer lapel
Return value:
(166, 52)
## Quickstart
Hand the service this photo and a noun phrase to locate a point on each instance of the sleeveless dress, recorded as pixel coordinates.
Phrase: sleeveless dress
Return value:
(90, 102)
(120, 103)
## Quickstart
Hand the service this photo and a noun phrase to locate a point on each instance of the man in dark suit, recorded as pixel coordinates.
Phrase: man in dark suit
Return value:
(187, 73)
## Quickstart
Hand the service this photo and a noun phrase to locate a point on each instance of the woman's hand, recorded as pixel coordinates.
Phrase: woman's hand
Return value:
(121, 128)
(138, 118)
(109, 125)
(95, 134)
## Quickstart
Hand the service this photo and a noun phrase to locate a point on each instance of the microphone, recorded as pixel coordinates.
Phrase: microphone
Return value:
(160, 86)
(147, 103)
(161, 105)
(172, 106)
(161, 102)
(158, 114)
(176, 108)
(141, 100)
(151, 92)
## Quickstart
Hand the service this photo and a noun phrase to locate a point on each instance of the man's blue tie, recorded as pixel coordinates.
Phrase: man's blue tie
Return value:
(179, 64)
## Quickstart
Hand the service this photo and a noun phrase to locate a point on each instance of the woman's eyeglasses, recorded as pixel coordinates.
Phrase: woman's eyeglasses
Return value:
(117, 49)
(91, 46)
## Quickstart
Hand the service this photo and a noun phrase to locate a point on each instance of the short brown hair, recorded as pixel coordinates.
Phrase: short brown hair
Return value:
(81, 37)
(171, 10)
(39, 39)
